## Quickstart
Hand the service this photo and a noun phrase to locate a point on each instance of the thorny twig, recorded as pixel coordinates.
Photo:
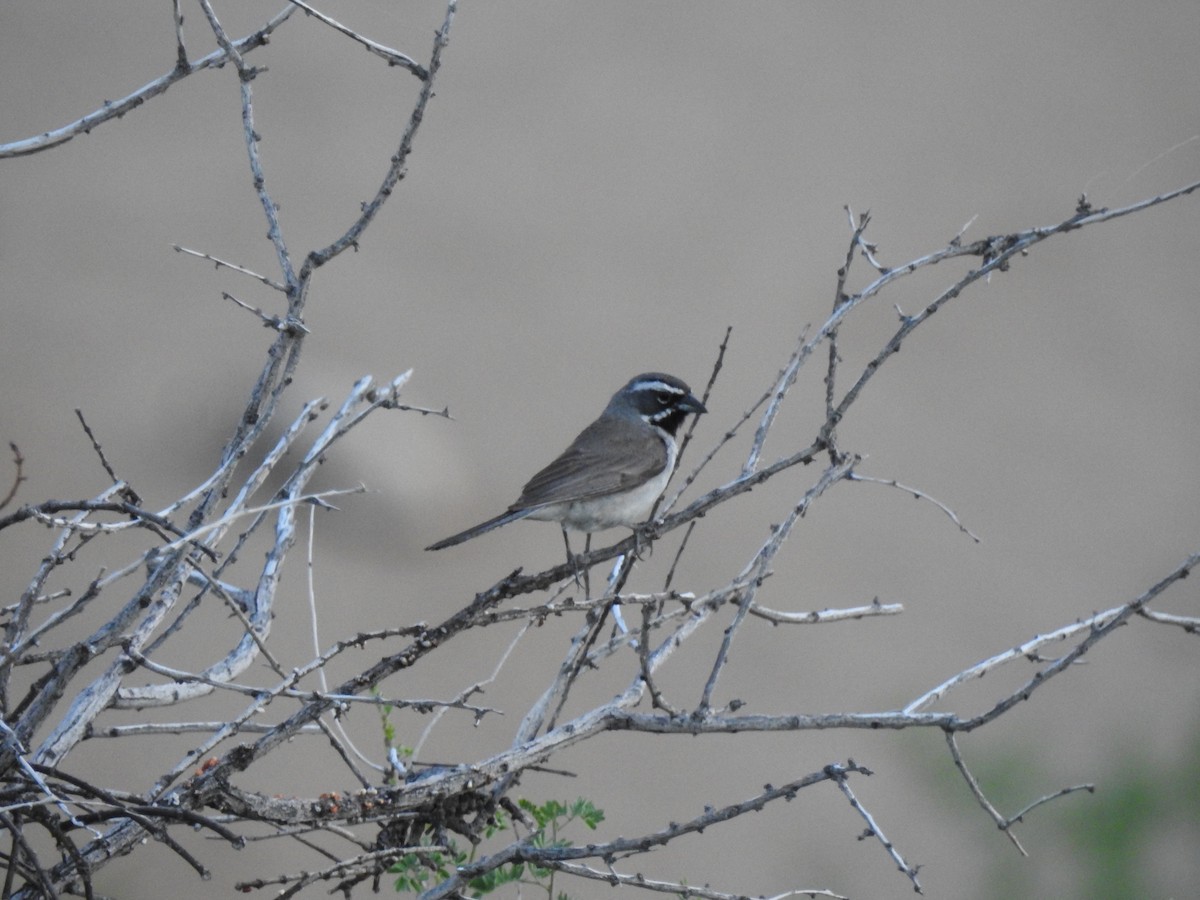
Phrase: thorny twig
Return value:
(135, 633)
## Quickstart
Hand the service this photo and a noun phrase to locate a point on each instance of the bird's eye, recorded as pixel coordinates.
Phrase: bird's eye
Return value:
(665, 399)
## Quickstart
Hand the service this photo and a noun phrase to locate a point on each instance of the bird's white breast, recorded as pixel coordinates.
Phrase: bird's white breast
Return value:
(624, 509)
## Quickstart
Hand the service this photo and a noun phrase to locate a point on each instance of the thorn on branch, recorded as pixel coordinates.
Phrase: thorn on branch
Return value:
(129, 492)
(18, 477)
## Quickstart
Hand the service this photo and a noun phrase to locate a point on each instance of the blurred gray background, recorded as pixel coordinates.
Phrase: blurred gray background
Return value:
(598, 190)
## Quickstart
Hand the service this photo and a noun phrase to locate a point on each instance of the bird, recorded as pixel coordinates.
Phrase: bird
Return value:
(613, 473)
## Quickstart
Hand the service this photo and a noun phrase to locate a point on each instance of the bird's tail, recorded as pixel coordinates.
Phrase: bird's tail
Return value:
(503, 519)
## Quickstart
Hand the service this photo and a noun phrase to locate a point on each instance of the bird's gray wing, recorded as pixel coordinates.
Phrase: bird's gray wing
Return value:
(609, 456)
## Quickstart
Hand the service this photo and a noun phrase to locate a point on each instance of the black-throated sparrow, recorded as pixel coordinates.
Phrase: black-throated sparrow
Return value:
(615, 471)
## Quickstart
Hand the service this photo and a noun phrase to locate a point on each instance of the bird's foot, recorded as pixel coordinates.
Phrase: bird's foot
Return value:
(576, 564)
(643, 546)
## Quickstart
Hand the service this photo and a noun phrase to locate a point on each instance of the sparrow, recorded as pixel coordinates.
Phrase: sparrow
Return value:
(614, 471)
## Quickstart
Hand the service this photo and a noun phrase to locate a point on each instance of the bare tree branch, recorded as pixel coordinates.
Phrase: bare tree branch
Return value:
(115, 109)
(224, 544)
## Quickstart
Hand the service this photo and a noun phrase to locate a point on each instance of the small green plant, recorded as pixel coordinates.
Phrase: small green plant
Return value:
(417, 871)
(389, 738)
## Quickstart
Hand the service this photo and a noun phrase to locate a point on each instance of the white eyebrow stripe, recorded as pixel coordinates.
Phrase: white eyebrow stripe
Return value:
(658, 386)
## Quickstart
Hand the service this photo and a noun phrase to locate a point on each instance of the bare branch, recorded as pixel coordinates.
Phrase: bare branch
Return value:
(615, 878)
(222, 547)
(759, 567)
(1100, 630)
(816, 617)
(787, 377)
(221, 263)
(873, 829)
(397, 169)
(393, 57)
(1190, 624)
(181, 60)
(629, 847)
(961, 765)
(920, 495)
(115, 109)
(18, 476)
(1002, 823)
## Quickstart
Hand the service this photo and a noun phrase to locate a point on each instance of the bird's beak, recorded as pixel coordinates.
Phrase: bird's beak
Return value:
(692, 405)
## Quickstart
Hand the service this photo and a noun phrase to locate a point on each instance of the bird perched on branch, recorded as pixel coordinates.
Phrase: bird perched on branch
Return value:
(614, 471)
